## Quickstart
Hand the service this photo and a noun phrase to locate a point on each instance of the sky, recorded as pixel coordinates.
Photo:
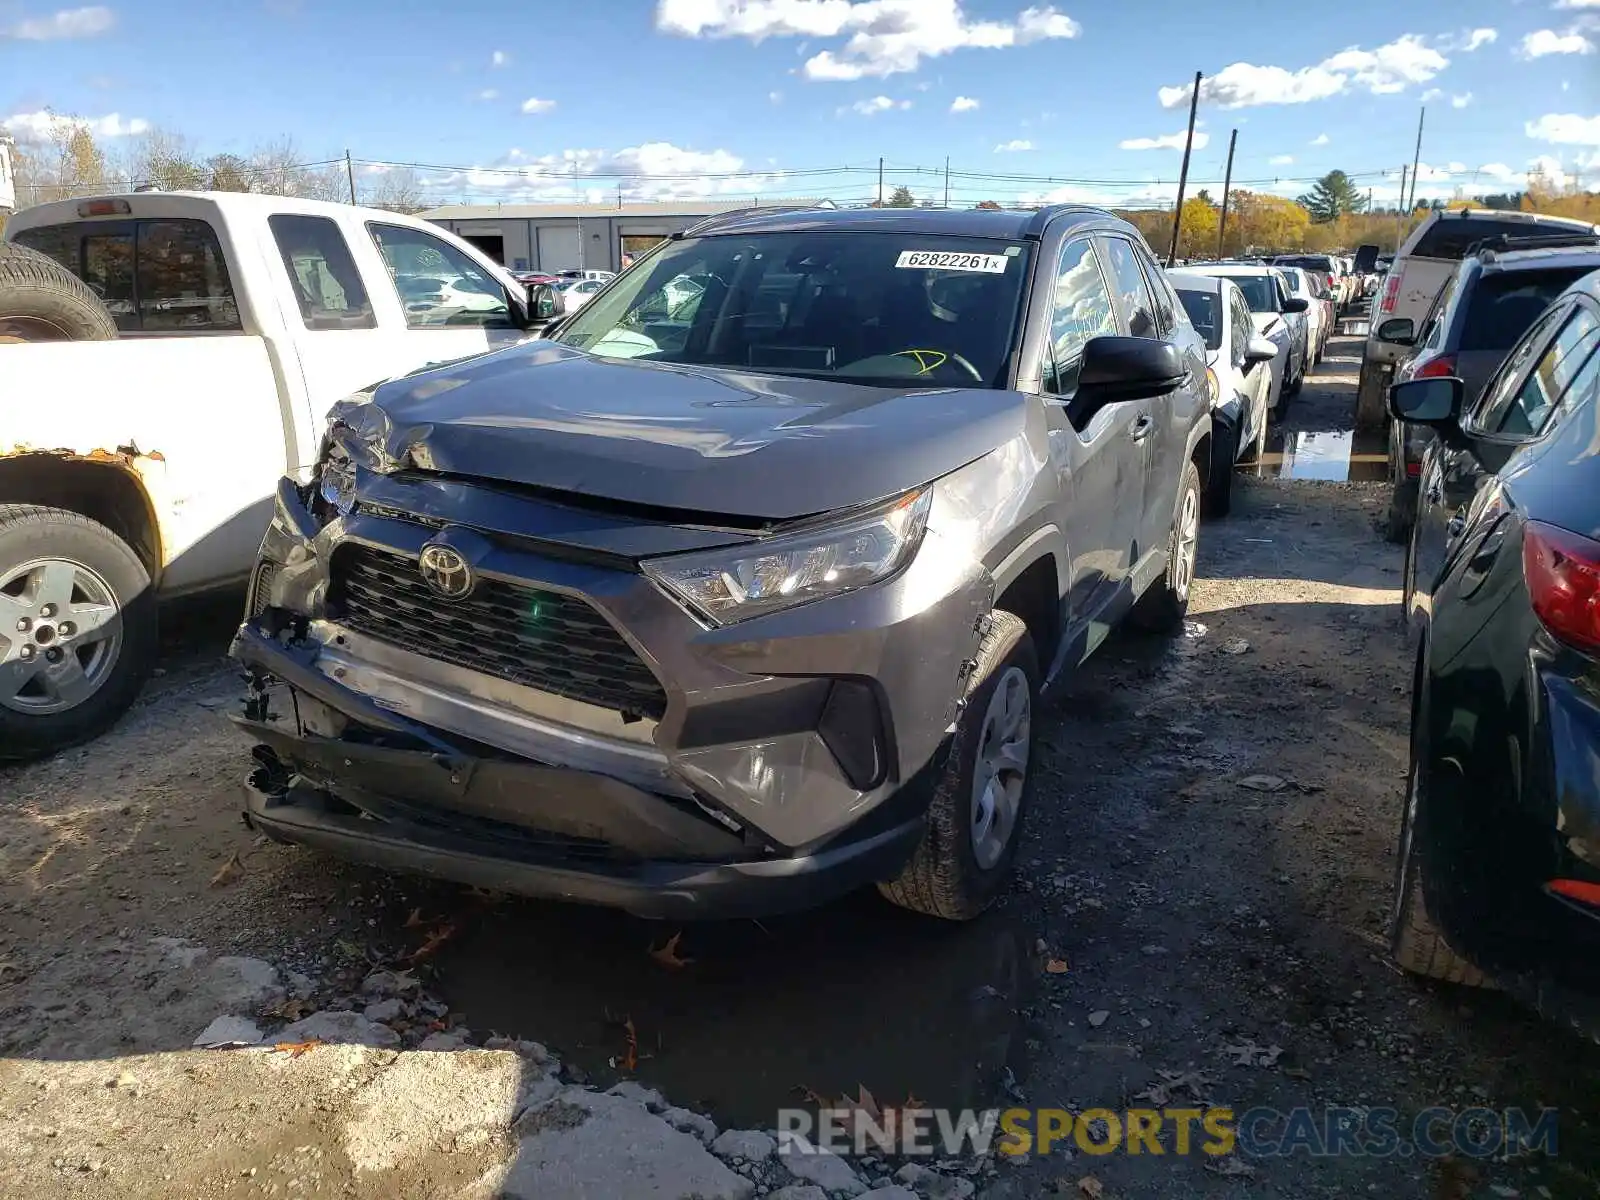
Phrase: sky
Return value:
(1083, 100)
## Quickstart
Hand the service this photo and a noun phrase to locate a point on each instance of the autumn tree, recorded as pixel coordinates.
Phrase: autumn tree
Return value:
(168, 161)
(989, 205)
(228, 173)
(1197, 232)
(1331, 197)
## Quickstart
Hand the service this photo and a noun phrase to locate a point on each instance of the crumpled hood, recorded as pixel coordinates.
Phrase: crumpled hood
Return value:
(712, 441)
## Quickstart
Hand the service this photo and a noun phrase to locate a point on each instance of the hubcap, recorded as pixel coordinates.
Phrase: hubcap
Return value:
(1188, 543)
(60, 634)
(1001, 768)
(31, 329)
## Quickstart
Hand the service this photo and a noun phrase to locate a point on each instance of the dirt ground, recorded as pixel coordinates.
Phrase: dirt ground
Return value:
(1222, 942)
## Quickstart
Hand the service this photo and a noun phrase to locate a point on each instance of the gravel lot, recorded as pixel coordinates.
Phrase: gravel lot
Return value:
(1196, 916)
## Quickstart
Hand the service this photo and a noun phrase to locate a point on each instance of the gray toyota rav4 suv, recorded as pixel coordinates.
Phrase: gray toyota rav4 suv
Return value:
(739, 590)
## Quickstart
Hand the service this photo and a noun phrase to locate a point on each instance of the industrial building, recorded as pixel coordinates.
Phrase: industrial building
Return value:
(564, 237)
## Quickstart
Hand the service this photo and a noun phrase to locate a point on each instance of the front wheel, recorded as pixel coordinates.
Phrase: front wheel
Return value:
(1162, 608)
(77, 629)
(975, 818)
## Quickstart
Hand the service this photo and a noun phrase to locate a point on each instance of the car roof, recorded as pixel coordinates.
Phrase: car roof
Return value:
(1548, 258)
(1224, 270)
(1003, 224)
(1191, 280)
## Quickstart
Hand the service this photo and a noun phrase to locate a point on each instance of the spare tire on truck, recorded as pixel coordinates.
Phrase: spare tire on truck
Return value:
(42, 301)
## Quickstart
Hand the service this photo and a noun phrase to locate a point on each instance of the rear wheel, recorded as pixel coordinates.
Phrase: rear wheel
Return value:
(1162, 608)
(975, 818)
(1219, 488)
(77, 629)
(41, 301)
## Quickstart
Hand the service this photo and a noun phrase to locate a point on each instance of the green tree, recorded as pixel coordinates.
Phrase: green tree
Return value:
(901, 197)
(1331, 197)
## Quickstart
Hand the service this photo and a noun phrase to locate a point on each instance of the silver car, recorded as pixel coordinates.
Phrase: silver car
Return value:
(727, 606)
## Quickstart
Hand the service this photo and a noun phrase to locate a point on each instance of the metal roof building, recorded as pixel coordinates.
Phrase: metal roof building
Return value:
(561, 237)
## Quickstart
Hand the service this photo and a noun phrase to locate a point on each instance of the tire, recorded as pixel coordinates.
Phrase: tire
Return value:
(104, 576)
(1164, 605)
(1401, 514)
(953, 874)
(1415, 942)
(40, 300)
(1219, 488)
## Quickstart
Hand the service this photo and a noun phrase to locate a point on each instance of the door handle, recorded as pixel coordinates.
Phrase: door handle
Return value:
(1141, 428)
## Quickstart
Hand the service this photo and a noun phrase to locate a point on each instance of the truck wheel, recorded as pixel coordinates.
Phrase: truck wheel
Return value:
(975, 819)
(77, 629)
(41, 301)
(1162, 608)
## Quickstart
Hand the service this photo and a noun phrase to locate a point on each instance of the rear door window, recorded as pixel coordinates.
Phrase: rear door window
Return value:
(1521, 411)
(1138, 308)
(1449, 237)
(1503, 306)
(322, 273)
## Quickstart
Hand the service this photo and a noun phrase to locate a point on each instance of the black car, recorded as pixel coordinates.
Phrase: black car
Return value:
(1498, 874)
(1486, 306)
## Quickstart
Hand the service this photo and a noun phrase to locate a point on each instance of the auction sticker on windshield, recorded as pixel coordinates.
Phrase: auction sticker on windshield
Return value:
(948, 260)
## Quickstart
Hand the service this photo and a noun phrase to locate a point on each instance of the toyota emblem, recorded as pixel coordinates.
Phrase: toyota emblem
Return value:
(446, 572)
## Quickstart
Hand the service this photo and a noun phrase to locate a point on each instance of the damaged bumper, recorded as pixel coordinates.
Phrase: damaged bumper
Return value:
(571, 732)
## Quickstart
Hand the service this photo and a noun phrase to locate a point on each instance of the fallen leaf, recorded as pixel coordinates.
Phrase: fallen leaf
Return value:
(1248, 1054)
(1056, 966)
(296, 1049)
(1091, 1187)
(631, 1061)
(1098, 1018)
(416, 920)
(1263, 783)
(229, 872)
(667, 955)
(431, 945)
(1235, 646)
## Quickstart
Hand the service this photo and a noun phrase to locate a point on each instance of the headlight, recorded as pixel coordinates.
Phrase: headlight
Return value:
(336, 484)
(736, 584)
(1213, 388)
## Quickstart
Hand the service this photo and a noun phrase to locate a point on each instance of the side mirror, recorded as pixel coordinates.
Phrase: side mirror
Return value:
(1399, 330)
(1114, 369)
(1259, 350)
(1435, 401)
(1296, 304)
(544, 302)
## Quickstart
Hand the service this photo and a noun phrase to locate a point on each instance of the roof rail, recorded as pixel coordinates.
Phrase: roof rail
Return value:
(707, 222)
(1539, 241)
(1043, 216)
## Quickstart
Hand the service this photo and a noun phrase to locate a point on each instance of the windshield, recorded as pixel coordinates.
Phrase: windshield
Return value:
(896, 309)
(1204, 315)
(1503, 307)
(1260, 292)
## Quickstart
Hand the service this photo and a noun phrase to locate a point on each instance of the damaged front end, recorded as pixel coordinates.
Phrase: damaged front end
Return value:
(537, 693)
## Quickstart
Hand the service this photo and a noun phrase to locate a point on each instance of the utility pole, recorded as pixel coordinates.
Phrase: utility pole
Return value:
(880, 181)
(1400, 211)
(1416, 160)
(350, 176)
(1183, 173)
(1227, 182)
(947, 181)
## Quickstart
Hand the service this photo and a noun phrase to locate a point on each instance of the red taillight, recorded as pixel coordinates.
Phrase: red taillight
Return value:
(104, 208)
(1563, 574)
(1576, 889)
(1331, 281)
(1436, 368)
(1391, 293)
(1414, 470)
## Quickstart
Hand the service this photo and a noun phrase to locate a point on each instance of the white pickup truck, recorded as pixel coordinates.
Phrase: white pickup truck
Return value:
(149, 406)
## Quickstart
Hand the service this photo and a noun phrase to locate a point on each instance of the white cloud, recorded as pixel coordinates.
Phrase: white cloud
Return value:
(588, 175)
(885, 37)
(876, 105)
(499, 58)
(1281, 160)
(44, 125)
(1461, 100)
(489, 94)
(775, 97)
(1472, 39)
(1013, 146)
(963, 104)
(67, 23)
(1577, 3)
(1167, 141)
(1499, 171)
(1432, 94)
(1567, 129)
(1386, 69)
(1550, 168)
(1320, 140)
(534, 106)
(1542, 42)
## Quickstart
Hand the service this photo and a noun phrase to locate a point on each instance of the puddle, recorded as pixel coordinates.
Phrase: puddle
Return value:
(856, 994)
(1361, 457)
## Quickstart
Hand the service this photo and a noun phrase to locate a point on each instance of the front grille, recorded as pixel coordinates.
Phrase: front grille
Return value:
(261, 588)
(544, 640)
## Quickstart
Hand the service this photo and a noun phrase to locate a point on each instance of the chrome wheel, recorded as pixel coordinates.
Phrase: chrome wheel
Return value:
(1001, 768)
(60, 634)
(1188, 539)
